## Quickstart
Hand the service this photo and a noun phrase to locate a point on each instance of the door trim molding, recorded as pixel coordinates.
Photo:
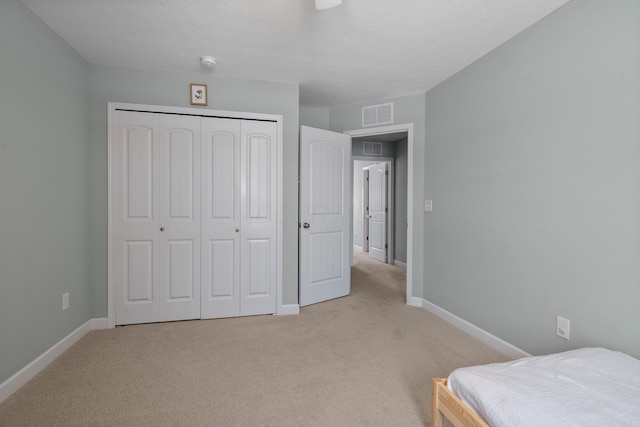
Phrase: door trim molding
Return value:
(202, 112)
(406, 127)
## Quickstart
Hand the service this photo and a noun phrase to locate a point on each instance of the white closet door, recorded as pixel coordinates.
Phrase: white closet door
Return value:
(258, 212)
(220, 218)
(179, 183)
(156, 224)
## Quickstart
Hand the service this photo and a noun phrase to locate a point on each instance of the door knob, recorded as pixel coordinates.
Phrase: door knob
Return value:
(237, 230)
(161, 228)
(306, 225)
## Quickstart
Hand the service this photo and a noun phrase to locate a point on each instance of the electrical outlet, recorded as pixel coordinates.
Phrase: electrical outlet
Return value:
(65, 301)
(563, 327)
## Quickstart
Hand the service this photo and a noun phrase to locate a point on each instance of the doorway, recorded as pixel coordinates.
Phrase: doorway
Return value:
(374, 204)
(394, 133)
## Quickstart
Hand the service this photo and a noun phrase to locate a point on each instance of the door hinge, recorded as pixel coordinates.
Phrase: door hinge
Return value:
(386, 209)
(386, 173)
(386, 246)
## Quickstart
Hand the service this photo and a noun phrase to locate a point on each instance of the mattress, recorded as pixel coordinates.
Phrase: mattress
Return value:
(585, 387)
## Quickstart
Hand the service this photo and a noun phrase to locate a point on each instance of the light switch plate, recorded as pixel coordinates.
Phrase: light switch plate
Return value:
(563, 327)
(428, 205)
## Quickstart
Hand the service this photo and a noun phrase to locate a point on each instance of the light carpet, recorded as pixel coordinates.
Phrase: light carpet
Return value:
(362, 360)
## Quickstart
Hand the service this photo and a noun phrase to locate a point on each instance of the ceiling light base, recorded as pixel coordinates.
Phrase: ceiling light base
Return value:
(327, 4)
(208, 62)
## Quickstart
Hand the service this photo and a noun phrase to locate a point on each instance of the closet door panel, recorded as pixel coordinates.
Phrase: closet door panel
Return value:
(138, 269)
(259, 175)
(223, 267)
(258, 212)
(220, 217)
(178, 281)
(257, 267)
(139, 161)
(181, 173)
(135, 207)
(181, 270)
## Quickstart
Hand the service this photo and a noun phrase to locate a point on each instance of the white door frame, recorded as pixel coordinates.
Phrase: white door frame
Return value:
(407, 127)
(111, 108)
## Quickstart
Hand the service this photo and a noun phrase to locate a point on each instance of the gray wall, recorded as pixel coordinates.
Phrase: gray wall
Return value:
(407, 109)
(172, 88)
(315, 117)
(533, 165)
(43, 188)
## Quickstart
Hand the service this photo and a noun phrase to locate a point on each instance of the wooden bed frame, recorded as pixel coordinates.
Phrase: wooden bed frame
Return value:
(445, 404)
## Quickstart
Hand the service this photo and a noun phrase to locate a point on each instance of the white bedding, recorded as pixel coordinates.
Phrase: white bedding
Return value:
(585, 387)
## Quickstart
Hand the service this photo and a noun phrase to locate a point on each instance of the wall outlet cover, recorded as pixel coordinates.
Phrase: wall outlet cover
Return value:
(563, 327)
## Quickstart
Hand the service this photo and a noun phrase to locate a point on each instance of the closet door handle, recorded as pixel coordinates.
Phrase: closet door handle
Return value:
(237, 230)
(306, 225)
(161, 228)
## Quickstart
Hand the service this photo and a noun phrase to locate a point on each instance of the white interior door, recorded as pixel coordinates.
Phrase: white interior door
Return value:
(156, 224)
(378, 211)
(325, 215)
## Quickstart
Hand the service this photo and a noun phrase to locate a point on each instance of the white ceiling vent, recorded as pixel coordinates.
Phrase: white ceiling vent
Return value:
(372, 148)
(381, 114)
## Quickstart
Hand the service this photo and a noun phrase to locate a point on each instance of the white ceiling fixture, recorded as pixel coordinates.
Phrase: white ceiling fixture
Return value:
(208, 62)
(358, 53)
(327, 4)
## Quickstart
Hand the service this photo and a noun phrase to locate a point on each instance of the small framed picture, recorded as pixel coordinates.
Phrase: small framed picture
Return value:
(199, 94)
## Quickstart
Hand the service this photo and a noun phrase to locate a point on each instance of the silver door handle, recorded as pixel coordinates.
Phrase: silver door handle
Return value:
(306, 225)
(237, 230)
(161, 228)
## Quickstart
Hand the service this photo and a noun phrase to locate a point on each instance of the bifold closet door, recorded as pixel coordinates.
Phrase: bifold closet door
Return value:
(156, 198)
(238, 217)
(220, 157)
(258, 213)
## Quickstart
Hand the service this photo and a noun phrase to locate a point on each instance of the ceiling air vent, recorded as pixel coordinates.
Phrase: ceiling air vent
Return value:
(381, 114)
(372, 148)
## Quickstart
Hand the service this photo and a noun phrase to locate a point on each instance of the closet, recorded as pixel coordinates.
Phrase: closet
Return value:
(193, 216)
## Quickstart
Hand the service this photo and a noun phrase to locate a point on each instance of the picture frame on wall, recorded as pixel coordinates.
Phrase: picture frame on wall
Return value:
(199, 95)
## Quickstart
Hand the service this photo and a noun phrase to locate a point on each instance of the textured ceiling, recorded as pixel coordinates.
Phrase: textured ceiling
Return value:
(361, 51)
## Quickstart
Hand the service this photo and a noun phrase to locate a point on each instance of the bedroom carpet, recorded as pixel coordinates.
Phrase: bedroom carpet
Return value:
(362, 360)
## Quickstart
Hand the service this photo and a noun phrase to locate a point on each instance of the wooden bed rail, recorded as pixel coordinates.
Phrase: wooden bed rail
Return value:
(446, 404)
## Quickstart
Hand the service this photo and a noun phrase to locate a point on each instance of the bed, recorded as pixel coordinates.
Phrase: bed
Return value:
(584, 387)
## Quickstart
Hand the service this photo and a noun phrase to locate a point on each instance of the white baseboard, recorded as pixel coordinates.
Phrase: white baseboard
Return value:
(400, 264)
(286, 309)
(100, 323)
(357, 248)
(20, 378)
(471, 329)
